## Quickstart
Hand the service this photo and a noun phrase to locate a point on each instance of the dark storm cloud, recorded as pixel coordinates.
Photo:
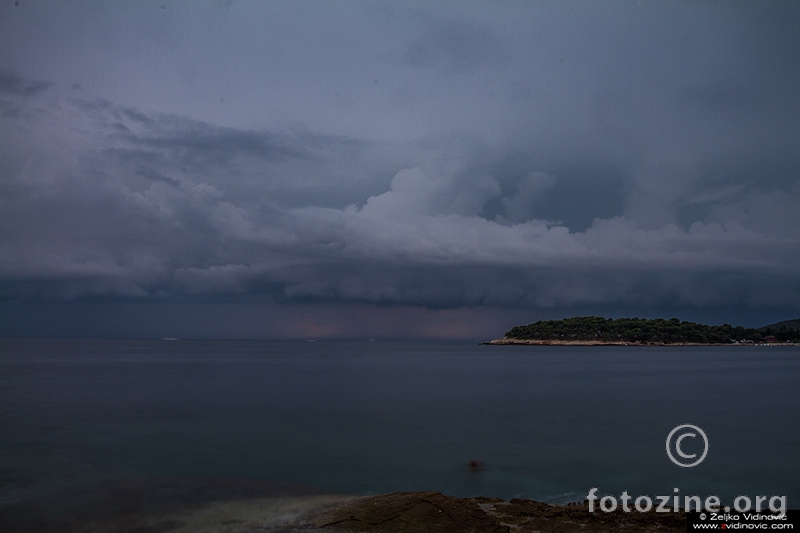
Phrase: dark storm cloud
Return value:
(454, 46)
(98, 229)
(220, 145)
(495, 156)
(128, 221)
(11, 84)
(189, 139)
(14, 90)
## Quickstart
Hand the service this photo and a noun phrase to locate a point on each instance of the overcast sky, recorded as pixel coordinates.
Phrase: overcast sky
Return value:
(395, 169)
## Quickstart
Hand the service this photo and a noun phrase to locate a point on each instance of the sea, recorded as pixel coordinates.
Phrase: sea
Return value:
(91, 417)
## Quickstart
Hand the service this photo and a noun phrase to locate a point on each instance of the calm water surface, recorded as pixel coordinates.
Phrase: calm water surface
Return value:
(549, 423)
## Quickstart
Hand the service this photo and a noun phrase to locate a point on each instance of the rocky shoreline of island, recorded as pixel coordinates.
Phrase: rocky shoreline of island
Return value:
(561, 342)
(557, 342)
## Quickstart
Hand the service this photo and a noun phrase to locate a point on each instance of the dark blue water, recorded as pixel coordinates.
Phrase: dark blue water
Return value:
(548, 423)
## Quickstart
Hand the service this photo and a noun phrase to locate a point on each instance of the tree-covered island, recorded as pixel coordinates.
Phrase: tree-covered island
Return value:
(593, 330)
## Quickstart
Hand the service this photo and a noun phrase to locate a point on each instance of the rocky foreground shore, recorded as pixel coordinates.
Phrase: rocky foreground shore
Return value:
(412, 512)
(253, 507)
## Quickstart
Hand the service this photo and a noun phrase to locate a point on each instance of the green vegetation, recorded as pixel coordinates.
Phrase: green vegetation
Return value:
(640, 330)
(782, 332)
(793, 324)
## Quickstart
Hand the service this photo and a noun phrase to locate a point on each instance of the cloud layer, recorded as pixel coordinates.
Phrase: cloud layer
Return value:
(477, 163)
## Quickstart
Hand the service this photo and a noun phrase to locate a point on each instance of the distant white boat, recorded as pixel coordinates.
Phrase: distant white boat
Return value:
(169, 338)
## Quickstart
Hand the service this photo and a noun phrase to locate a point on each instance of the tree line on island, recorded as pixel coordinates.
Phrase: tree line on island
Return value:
(656, 331)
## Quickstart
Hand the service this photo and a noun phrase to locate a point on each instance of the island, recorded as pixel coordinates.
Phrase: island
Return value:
(593, 330)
